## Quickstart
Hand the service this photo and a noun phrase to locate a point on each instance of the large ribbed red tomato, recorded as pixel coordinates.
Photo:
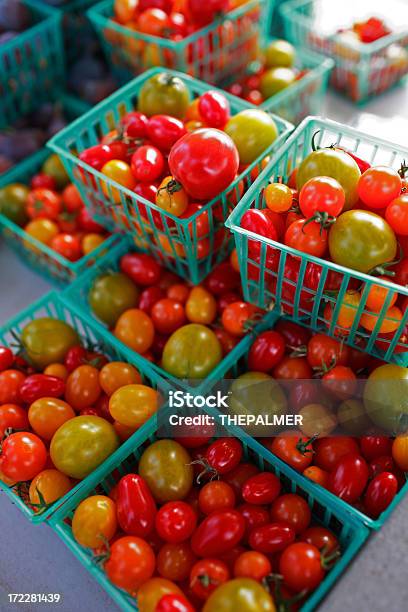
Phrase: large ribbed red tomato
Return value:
(205, 162)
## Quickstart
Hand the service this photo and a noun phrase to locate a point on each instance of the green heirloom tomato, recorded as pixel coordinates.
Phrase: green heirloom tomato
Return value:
(258, 394)
(166, 467)
(192, 351)
(54, 167)
(164, 94)
(335, 163)
(81, 444)
(361, 240)
(110, 295)
(13, 201)
(279, 53)
(275, 80)
(48, 340)
(243, 594)
(386, 396)
(252, 131)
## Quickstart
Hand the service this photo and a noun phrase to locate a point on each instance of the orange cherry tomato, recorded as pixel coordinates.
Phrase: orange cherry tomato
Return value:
(94, 521)
(57, 369)
(316, 474)
(135, 329)
(90, 242)
(278, 197)
(377, 296)
(43, 230)
(201, 306)
(178, 292)
(400, 451)
(234, 260)
(171, 197)
(120, 172)
(133, 405)
(125, 10)
(47, 414)
(49, 485)
(252, 564)
(82, 387)
(389, 324)
(117, 374)
(175, 561)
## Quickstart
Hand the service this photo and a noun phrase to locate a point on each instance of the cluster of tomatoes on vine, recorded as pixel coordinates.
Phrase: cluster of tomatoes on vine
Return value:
(50, 209)
(338, 208)
(64, 408)
(195, 524)
(185, 329)
(359, 464)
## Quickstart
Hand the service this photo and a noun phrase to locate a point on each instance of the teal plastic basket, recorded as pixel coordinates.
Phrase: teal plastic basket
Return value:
(307, 95)
(38, 256)
(76, 296)
(363, 70)
(332, 501)
(31, 64)
(351, 534)
(51, 305)
(212, 53)
(276, 25)
(171, 240)
(279, 289)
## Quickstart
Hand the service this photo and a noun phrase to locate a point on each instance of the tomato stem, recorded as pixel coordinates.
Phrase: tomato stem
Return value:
(328, 560)
(208, 469)
(302, 447)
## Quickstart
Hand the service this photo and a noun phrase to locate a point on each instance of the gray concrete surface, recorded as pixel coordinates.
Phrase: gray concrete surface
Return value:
(34, 560)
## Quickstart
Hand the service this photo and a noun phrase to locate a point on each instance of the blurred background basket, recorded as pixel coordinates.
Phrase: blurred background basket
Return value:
(289, 293)
(171, 240)
(363, 70)
(212, 53)
(31, 64)
(351, 534)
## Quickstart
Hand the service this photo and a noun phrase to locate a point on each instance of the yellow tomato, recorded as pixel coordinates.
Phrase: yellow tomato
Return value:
(94, 521)
(201, 306)
(120, 172)
(133, 405)
(171, 197)
(43, 230)
(117, 374)
(91, 242)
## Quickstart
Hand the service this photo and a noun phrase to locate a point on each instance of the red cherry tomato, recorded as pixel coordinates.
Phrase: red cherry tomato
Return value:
(301, 567)
(349, 478)
(329, 451)
(271, 538)
(173, 603)
(214, 108)
(175, 522)
(168, 315)
(206, 575)
(255, 516)
(141, 268)
(149, 297)
(258, 222)
(147, 164)
(373, 447)
(295, 335)
(239, 475)
(222, 279)
(10, 384)
(380, 493)
(322, 538)
(218, 533)
(321, 194)
(23, 456)
(293, 448)
(263, 488)
(224, 454)
(238, 317)
(396, 215)
(266, 352)
(12, 416)
(134, 125)
(323, 350)
(292, 510)
(164, 131)
(216, 496)
(378, 186)
(6, 358)
(41, 385)
(136, 508)
(309, 238)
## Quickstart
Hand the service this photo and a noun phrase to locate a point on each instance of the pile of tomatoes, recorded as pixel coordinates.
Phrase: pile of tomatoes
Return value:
(64, 408)
(170, 19)
(274, 72)
(185, 329)
(157, 152)
(338, 208)
(196, 527)
(341, 443)
(50, 209)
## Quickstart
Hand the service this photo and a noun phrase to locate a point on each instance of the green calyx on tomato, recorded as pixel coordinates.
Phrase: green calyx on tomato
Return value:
(47, 340)
(334, 163)
(252, 131)
(362, 240)
(164, 94)
(192, 351)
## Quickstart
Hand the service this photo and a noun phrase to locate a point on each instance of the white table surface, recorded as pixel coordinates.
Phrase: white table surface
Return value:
(34, 560)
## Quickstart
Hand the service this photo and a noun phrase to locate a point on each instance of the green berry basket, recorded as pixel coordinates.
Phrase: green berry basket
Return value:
(331, 500)
(286, 285)
(38, 256)
(363, 70)
(306, 96)
(171, 240)
(211, 53)
(352, 535)
(76, 296)
(51, 305)
(31, 64)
